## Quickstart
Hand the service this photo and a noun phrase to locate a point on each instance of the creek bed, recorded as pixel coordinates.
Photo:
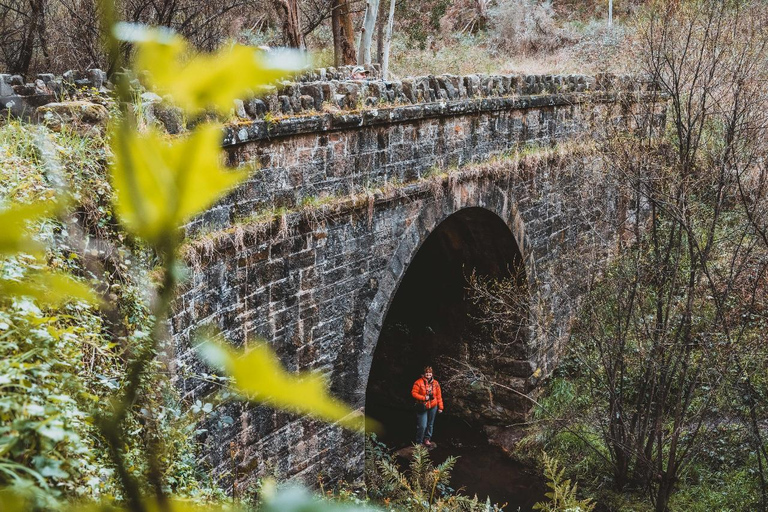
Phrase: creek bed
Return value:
(481, 469)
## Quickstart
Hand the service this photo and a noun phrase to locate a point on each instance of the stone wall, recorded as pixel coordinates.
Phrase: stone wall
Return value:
(308, 253)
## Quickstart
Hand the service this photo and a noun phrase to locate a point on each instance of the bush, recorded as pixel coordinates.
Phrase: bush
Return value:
(527, 27)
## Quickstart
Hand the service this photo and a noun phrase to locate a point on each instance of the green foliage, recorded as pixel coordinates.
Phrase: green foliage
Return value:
(562, 497)
(161, 183)
(120, 429)
(60, 365)
(43, 405)
(423, 487)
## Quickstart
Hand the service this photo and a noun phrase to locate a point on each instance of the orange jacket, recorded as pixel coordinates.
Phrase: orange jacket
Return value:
(420, 389)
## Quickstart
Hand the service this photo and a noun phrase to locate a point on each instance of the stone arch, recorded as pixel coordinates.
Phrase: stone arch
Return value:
(471, 202)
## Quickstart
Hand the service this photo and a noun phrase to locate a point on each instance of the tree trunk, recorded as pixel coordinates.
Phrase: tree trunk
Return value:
(31, 31)
(291, 25)
(381, 22)
(369, 24)
(343, 35)
(387, 41)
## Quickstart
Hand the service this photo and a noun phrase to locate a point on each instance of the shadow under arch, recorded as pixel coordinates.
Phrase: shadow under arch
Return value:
(430, 319)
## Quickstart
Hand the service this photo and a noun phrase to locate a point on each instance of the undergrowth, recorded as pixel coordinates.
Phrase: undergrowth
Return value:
(56, 366)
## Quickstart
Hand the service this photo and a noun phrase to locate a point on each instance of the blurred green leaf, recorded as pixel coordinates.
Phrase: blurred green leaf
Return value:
(174, 505)
(210, 80)
(49, 288)
(161, 183)
(298, 499)
(260, 377)
(13, 235)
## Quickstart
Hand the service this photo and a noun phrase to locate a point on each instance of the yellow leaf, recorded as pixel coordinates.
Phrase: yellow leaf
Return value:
(161, 183)
(151, 505)
(13, 234)
(49, 288)
(12, 501)
(260, 377)
(207, 80)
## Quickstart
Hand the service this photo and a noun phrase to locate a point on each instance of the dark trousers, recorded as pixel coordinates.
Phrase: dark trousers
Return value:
(425, 421)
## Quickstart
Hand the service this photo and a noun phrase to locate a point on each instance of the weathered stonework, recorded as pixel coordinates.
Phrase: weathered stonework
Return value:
(309, 252)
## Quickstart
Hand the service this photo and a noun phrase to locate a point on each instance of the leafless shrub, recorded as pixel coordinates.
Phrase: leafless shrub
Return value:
(465, 17)
(502, 304)
(527, 26)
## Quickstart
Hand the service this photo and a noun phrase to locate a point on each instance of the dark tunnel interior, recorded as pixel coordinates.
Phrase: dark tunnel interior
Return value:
(431, 322)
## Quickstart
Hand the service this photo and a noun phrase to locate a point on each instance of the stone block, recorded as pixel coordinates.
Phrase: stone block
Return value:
(255, 108)
(308, 102)
(5, 88)
(97, 77)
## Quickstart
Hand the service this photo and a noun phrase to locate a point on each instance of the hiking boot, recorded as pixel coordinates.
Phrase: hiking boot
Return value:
(427, 443)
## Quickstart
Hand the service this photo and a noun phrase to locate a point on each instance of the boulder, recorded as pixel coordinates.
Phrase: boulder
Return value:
(82, 116)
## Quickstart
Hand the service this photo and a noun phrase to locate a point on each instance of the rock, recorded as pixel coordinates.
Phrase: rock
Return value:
(307, 102)
(352, 92)
(240, 109)
(12, 104)
(41, 87)
(82, 116)
(446, 85)
(170, 116)
(315, 92)
(505, 438)
(255, 108)
(150, 97)
(24, 89)
(97, 77)
(5, 89)
(408, 92)
(285, 104)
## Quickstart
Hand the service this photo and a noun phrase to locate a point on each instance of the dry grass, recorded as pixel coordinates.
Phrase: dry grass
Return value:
(592, 48)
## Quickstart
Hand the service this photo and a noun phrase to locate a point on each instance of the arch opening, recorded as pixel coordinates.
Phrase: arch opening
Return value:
(433, 320)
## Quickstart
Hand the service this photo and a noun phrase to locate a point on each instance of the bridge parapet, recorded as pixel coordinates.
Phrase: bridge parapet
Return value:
(325, 89)
(319, 155)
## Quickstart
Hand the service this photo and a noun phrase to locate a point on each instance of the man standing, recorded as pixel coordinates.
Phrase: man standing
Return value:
(429, 401)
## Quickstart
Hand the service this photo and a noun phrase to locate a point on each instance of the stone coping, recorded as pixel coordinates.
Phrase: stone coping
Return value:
(321, 90)
(289, 125)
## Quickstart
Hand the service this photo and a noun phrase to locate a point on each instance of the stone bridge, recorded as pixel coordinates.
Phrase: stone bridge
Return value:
(350, 247)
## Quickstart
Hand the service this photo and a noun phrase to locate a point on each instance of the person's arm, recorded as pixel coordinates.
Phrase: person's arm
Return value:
(439, 396)
(416, 392)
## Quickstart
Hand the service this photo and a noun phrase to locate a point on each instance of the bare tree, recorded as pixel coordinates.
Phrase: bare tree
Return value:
(387, 41)
(674, 320)
(366, 37)
(22, 30)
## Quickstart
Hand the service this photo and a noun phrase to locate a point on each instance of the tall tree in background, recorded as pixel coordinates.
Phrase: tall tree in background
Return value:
(291, 23)
(343, 33)
(387, 41)
(366, 38)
